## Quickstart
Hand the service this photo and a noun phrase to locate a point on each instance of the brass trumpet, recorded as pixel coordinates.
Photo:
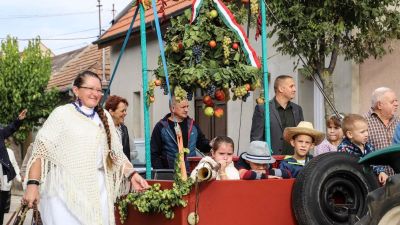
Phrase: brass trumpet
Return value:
(207, 172)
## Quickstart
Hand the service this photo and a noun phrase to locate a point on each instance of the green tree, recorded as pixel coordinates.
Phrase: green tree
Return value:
(23, 81)
(320, 31)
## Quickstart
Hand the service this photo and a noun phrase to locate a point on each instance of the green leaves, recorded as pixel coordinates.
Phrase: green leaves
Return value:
(23, 81)
(320, 31)
(199, 64)
(156, 199)
(315, 29)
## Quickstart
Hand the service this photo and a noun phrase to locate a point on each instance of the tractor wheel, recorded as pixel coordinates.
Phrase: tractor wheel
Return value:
(332, 189)
(384, 204)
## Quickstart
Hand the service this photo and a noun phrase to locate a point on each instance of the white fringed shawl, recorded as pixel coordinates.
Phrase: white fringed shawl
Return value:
(68, 145)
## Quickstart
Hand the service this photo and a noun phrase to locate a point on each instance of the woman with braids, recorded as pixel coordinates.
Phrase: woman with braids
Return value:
(77, 164)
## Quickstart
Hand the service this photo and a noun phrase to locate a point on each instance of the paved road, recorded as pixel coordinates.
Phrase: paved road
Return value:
(15, 201)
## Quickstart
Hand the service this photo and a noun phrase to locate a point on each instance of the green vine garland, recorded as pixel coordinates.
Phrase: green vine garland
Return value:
(156, 200)
(207, 54)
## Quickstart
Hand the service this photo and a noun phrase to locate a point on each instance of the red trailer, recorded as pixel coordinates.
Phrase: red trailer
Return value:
(331, 189)
(237, 202)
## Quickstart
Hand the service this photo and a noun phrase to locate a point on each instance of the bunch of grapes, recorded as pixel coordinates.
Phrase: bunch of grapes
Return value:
(254, 7)
(152, 85)
(244, 97)
(197, 53)
(189, 95)
(226, 45)
(239, 91)
(180, 93)
(211, 90)
(165, 88)
(203, 83)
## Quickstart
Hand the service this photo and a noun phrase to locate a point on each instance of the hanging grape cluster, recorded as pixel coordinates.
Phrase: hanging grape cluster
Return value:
(254, 7)
(197, 53)
(189, 95)
(227, 47)
(180, 94)
(165, 88)
(211, 90)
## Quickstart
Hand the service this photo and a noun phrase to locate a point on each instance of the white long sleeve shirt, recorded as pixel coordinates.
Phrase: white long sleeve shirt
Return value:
(4, 185)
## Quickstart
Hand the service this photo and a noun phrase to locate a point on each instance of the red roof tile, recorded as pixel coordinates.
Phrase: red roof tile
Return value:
(119, 29)
(90, 58)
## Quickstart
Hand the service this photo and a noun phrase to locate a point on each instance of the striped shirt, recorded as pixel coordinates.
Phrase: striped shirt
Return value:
(380, 135)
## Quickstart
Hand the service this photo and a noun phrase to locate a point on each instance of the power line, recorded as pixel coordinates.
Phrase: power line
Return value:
(74, 32)
(53, 39)
(46, 15)
(70, 46)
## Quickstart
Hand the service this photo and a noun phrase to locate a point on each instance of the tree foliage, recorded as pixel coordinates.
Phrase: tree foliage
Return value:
(23, 81)
(320, 31)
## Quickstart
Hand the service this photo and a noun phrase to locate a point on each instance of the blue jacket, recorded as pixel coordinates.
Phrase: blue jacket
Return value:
(347, 146)
(291, 165)
(164, 146)
(396, 135)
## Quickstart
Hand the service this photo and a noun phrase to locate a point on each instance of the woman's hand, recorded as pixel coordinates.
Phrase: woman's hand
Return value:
(31, 196)
(22, 114)
(139, 183)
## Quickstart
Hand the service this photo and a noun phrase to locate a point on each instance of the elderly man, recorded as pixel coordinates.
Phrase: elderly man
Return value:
(284, 113)
(382, 120)
(163, 139)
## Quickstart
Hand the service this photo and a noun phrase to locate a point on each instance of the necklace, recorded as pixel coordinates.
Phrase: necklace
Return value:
(83, 113)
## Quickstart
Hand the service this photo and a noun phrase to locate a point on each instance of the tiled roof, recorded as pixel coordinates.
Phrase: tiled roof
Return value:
(58, 61)
(120, 27)
(89, 58)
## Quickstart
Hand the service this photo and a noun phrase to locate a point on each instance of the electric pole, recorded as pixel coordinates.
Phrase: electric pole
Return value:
(113, 11)
(99, 6)
(103, 66)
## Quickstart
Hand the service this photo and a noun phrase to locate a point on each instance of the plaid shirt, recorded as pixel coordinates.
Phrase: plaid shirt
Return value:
(353, 149)
(380, 135)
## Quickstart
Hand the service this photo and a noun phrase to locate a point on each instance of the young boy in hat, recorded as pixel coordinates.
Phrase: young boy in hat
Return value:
(254, 164)
(303, 138)
(355, 129)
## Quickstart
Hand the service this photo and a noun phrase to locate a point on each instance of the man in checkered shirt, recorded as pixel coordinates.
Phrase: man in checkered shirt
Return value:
(382, 119)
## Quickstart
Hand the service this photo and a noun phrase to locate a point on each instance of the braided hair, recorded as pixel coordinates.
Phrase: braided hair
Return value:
(79, 80)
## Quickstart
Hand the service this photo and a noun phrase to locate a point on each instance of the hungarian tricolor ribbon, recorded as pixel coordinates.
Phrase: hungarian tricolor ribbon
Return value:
(230, 21)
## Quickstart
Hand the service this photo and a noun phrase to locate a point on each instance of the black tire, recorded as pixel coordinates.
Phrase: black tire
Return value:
(381, 202)
(332, 189)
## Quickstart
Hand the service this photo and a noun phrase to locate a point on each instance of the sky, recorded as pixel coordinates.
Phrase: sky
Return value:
(56, 21)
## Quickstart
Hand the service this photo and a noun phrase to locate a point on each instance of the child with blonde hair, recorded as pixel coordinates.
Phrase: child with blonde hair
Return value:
(355, 129)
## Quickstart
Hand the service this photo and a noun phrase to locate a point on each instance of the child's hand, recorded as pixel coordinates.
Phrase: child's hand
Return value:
(382, 177)
(274, 177)
(223, 164)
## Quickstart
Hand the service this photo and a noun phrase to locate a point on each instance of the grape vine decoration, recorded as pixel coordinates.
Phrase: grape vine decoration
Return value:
(156, 199)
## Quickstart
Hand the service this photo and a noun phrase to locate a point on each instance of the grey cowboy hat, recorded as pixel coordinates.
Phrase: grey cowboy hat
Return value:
(259, 152)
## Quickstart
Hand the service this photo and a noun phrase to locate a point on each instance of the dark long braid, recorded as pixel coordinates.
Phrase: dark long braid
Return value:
(79, 80)
(104, 119)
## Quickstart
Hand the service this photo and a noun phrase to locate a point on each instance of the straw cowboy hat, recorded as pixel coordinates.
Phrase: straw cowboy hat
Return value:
(258, 153)
(306, 128)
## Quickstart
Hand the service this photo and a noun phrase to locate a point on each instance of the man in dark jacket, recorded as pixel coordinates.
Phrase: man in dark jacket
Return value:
(283, 113)
(4, 134)
(164, 145)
